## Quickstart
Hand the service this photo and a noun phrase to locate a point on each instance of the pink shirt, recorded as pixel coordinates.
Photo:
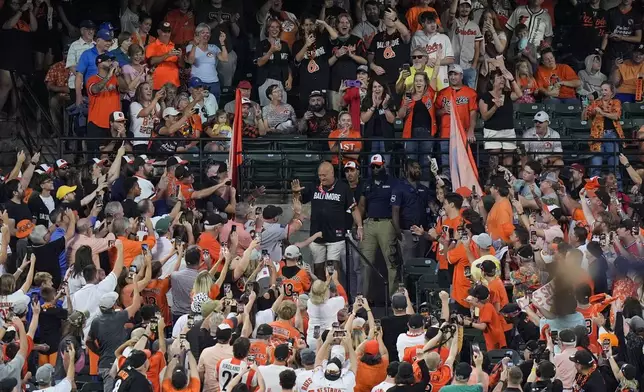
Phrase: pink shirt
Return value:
(242, 235)
(565, 367)
(208, 361)
(98, 245)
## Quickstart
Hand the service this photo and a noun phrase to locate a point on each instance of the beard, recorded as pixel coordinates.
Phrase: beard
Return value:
(316, 108)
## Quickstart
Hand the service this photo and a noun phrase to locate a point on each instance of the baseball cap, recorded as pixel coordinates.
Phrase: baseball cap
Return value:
(45, 168)
(292, 252)
(317, 93)
(462, 371)
(143, 160)
(77, 318)
(101, 58)
(175, 160)
(554, 210)
(223, 332)
(246, 101)
(87, 24)
(549, 176)
(61, 164)
(377, 160)
(195, 82)
(363, 68)
(271, 212)
(170, 112)
(21, 305)
(578, 167)
(567, 336)
(541, 116)
(24, 228)
(8, 384)
(245, 84)
(100, 162)
(372, 347)
(307, 357)
(117, 116)
(44, 374)
(582, 357)
(165, 27)
(350, 165)
(182, 172)
(64, 191)
(602, 195)
(629, 371)
(627, 224)
(264, 330)
(416, 321)
(108, 300)
(464, 191)
(105, 35)
(455, 67)
(106, 26)
(163, 225)
(636, 323)
(639, 48)
(482, 240)
(213, 219)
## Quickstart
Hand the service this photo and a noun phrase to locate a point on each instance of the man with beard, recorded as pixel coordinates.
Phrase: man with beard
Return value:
(389, 49)
(349, 52)
(465, 36)
(17, 212)
(318, 122)
(372, 25)
(87, 65)
(576, 183)
(143, 170)
(354, 265)
(252, 126)
(244, 88)
(375, 205)
(272, 9)
(312, 56)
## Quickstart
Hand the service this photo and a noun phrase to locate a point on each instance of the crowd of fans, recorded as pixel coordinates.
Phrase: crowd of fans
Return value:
(125, 270)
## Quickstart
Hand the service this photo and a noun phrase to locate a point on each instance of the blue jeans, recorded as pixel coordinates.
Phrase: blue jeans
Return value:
(420, 150)
(379, 148)
(214, 89)
(612, 148)
(444, 157)
(469, 78)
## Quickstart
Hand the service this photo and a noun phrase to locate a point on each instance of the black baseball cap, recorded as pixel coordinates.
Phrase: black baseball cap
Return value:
(416, 321)
(8, 384)
(213, 219)
(567, 336)
(271, 212)
(398, 301)
(104, 57)
(264, 330)
(582, 357)
(182, 172)
(87, 24)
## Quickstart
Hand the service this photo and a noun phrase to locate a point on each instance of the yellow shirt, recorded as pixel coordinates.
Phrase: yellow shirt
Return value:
(409, 81)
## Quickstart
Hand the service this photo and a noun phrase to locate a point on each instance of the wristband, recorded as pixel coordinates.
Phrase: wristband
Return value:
(627, 165)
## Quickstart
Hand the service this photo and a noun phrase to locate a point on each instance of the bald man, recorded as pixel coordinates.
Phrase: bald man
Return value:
(330, 200)
(85, 237)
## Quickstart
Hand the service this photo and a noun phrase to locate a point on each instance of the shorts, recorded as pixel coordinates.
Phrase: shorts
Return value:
(327, 251)
(500, 134)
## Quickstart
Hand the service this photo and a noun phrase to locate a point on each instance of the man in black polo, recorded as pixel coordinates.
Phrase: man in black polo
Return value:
(330, 200)
(375, 205)
(410, 206)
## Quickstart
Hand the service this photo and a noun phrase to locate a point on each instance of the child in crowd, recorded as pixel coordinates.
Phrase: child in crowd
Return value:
(50, 324)
(221, 129)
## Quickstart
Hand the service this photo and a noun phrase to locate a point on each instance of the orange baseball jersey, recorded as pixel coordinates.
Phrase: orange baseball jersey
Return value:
(466, 101)
(262, 350)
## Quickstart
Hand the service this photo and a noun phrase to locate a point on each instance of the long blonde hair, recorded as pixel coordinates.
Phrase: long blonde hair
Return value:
(319, 292)
(202, 283)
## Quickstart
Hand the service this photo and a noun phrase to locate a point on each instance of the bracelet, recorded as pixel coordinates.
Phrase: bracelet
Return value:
(33, 163)
(627, 165)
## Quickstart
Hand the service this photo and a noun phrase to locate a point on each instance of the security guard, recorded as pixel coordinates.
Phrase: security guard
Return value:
(410, 206)
(354, 265)
(375, 204)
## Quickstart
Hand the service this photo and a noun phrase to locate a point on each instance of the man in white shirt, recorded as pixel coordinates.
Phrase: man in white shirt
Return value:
(565, 367)
(45, 375)
(89, 296)
(466, 37)
(143, 171)
(86, 41)
(305, 376)
(389, 382)
(331, 374)
(435, 44)
(209, 107)
(413, 337)
(269, 375)
(536, 18)
(546, 147)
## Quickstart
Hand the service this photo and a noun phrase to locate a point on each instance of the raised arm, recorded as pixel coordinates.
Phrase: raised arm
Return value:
(30, 275)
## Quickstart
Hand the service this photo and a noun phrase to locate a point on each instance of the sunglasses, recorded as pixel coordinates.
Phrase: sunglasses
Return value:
(418, 57)
(538, 122)
(376, 166)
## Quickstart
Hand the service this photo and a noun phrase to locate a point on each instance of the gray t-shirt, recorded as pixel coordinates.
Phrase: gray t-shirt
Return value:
(181, 283)
(109, 330)
(272, 236)
(12, 369)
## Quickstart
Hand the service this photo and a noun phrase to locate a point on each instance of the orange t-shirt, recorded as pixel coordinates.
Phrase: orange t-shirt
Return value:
(186, 191)
(465, 98)
(104, 103)
(166, 71)
(414, 353)
(155, 294)
(193, 386)
(368, 376)
(452, 224)
(283, 331)
(548, 77)
(131, 249)
(493, 334)
(629, 72)
(182, 26)
(500, 296)
(499, 220)
(346, 146)
(412, 17)
(438, 378)
(262, 351)
(461, 284)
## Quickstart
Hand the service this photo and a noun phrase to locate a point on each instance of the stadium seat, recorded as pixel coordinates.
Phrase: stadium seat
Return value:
(257, 144)
(478, 128)
(633, 110)
(524, 110)
(302, 167)
(576, 128)
(519, 126)
(265, 169)
(637, 123)
(295, 143)
(566, 110)
(557, 124)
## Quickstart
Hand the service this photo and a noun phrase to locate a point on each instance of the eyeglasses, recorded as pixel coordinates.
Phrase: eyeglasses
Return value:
(418, 57)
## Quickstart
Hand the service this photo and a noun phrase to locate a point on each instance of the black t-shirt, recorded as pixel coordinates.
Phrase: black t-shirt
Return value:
(390, 52)
(541, 385)
(130, 208)
(208, 13)
(503, 118)
(622, 24)
(129, 379)
(328, 209)
(512, 389)
(357, 193)
(592, 23)
(321, 127)
(594, 383)
(18, 212)
(418, 387)
(314, 68)
(421, 117)
(345, 68)
(393, 326)
(277, 65)
(50, 326)
(47, 258)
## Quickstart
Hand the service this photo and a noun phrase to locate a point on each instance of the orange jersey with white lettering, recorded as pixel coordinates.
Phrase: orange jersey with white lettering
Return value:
(414, 353)
(262, 350)
(300, 283)
(437, 378)
(228, 368)
(283, 331)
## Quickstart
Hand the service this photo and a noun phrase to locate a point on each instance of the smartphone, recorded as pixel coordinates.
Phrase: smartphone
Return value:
(258, 211)
(154, 325)
(191, 320)
(339, 333)
(606, 344)
(316, 332)
(533, 237)
(110, 243)
(445, 229)
(401, 288)
(233, 229)
(266, 258)
(405, 67)
(145, 248)
(635, 231)
(450, 232)
(330, 267)
(335, 325)
(408, 94)
(250, 359)
(352, 83)
(377, 324)
(227, 290)
(205, 253)
(228, 182)
(510, 364)
(30, 250)
(476, 350)
(554, 335)
(433, 162)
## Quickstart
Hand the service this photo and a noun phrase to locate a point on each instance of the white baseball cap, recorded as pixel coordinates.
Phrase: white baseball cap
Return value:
(455, 67)
(541, 116)
(377, 160)
(350, 164)
(170, 112)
